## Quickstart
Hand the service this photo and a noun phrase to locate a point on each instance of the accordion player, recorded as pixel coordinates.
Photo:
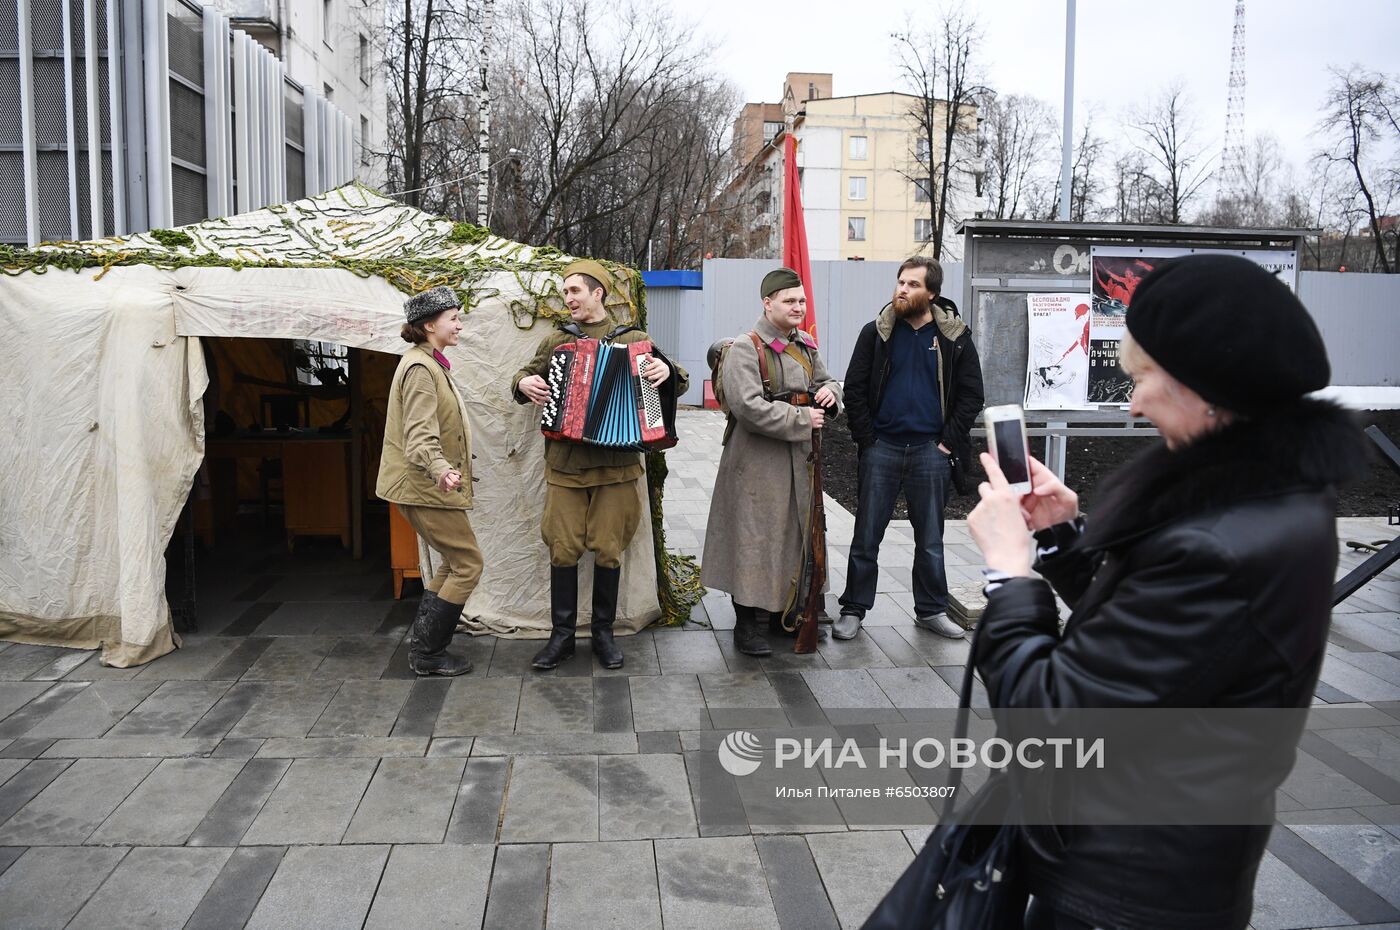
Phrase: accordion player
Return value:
(598, 395)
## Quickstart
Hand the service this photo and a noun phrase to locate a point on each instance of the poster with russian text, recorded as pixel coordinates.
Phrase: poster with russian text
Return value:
(1057, 363)
(1115, 272)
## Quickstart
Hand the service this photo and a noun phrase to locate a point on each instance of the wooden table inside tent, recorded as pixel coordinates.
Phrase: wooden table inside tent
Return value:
(315, 477)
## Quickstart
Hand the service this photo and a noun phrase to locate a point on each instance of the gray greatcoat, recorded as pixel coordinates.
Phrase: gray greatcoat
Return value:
(760, 514)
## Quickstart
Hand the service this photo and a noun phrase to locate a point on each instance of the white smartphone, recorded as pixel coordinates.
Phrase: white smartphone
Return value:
(1006, 440)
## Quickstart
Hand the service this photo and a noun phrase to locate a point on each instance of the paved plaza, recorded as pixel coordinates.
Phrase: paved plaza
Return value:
(284, 770)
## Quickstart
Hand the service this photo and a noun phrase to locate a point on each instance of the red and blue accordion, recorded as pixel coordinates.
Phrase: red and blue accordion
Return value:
(598, 397)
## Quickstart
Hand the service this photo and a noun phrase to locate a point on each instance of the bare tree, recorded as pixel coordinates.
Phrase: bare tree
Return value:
(1175, 158)
(428, 59)
(1136, 194)
(619, 122)
(1256, 197)
(939, 67)
(1086, 186)
(1018, 143)
(1359, 122)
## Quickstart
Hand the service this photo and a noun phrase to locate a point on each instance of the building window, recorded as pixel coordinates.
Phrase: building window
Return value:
(923, 229)
(325, 363)
(921, 150)
(811, 90)
(855, 229)
(364, 139)
(858, 148)
(857, 189)
(922, 190)
(771, 130)
(364, 58)
(327, 14)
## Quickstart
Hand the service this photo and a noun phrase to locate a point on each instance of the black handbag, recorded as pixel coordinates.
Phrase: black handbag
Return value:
(965, 877)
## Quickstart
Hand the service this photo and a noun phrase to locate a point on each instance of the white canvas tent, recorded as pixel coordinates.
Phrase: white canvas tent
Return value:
(102, 375)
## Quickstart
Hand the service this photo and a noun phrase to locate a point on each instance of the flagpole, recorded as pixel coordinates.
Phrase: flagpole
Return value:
(1067, 138)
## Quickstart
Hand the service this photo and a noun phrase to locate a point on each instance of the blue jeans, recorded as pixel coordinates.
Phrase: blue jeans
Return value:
(924, 474)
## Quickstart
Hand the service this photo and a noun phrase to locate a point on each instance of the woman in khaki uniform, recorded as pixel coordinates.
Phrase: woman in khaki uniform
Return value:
(426, 470)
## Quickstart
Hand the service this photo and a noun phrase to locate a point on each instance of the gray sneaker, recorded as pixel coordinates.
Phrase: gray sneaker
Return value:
(940, 624)
(846, 626)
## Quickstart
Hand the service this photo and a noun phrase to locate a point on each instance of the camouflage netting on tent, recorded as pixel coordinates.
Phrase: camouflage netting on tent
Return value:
(110, 420)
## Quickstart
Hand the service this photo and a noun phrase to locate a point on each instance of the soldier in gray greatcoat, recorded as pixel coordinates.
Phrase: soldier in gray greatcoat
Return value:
(759, 528)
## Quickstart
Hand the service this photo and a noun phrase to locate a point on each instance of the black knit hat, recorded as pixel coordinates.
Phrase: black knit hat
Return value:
(1229, 330)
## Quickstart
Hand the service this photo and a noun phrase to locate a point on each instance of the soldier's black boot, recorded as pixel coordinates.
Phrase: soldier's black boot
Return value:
(428, 639)
(605, 585)
(747, 638)
(563, 616)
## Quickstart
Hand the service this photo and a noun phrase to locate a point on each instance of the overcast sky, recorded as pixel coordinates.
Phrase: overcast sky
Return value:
(1125, 50)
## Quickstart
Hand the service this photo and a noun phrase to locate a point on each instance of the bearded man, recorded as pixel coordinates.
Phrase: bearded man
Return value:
(913, 391)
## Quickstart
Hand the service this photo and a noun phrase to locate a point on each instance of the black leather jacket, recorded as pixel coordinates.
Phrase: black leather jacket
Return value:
(1203, 581)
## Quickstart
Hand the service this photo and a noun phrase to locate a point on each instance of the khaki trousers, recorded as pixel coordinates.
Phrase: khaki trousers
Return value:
(450, 533)
(600, 519)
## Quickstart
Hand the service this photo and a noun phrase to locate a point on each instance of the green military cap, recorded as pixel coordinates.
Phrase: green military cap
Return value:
(591, 268)
(779, 279)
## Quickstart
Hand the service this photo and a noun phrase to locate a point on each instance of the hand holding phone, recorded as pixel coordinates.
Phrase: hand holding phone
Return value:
(1006, 440)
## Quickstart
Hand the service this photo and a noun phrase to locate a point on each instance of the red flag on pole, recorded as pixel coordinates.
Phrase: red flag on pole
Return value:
(795, 232)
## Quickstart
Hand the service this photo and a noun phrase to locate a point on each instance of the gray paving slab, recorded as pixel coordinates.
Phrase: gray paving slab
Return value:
(357, 657)
(659, 741)
(552, 799)
(511, 657)
(130, 747)
(228, 820)
(519, 888)
(290, 658)
(172, 709)
(69, 662)
(797, 700)
(858, 868)
(451, 746)
(408, 801)
(153, 888)
(738, 690)
(644, 797)
(555, 744)
(895, 647)
(1317, 786)
(343, 747)
(313, 803)
(914, 688)
(22, 787)
(432, 888)
(419, 713)
(1367, 853)
(196, 658)
(1283, 900)
(325, 887)
(24, 659)
(719, 811)
(363, 708)
(799, 898)
(22, 748)
(169, 804)
(476, 814)
(37, 710)
(75, 803)
(849, 695)
(48, 885)
(10, 767)
(475, 706)
(861, 652)
(668, 702)
(281, 708)
(682, 651)
(713, 882)
(1345, 890)
(574, 899)
(8, 855)
(94, 710)
(230, 900)
(241, 658)
(612, 706)
(15, 694)
(555, 705)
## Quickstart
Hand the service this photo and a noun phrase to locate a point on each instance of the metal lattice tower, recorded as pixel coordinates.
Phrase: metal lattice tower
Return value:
(1232, 160)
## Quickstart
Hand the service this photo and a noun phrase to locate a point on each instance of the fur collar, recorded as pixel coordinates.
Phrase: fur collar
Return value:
(1312, 445)
(945, 314)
